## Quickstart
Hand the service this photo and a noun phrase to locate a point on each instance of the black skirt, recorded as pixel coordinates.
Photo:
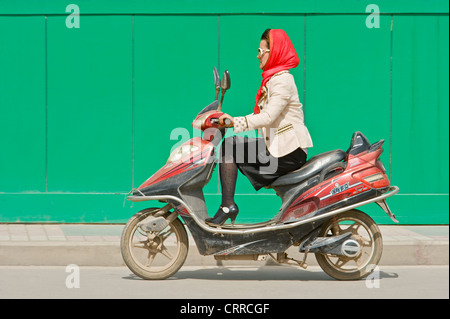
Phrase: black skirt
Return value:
(256, 163)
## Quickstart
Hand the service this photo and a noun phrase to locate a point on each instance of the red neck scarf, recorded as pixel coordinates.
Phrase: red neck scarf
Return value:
(282, 57)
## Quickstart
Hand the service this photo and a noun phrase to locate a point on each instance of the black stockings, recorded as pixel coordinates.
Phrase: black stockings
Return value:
(228, 176)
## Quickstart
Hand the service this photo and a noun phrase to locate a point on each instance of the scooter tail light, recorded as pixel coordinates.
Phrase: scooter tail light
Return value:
(377, 180)
(374, 178)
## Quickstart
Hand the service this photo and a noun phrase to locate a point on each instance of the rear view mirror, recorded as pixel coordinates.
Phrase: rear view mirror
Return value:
(226, 81)
(216, 78)
(224, 85)
(217, 83)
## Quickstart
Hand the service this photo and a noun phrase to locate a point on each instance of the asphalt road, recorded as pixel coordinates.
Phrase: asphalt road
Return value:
(277, 282)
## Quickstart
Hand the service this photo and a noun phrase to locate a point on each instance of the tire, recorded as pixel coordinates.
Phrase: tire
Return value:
(147, 254)
(365, 232)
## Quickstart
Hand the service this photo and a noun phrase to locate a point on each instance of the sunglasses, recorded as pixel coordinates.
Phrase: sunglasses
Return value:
(262, 51)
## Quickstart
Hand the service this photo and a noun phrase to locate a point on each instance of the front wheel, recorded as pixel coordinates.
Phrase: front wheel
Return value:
(366, 232)
(153, 255)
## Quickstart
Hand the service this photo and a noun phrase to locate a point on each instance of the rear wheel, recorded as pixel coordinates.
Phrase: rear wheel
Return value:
(365, 232)
(153, 255)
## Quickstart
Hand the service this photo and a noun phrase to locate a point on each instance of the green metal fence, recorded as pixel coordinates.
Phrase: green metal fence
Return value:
(87, 111)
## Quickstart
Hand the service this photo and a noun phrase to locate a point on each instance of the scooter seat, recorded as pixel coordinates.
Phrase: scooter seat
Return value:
(312, 167)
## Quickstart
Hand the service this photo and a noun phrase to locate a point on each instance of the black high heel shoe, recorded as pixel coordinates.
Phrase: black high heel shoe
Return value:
(222, 215)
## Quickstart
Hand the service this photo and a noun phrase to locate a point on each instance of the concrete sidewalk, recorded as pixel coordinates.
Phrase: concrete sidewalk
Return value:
(99, 245)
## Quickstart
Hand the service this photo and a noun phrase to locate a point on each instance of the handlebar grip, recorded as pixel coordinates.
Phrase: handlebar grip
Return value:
(227, 121)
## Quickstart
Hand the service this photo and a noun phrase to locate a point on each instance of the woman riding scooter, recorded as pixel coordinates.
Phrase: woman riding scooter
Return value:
(278, 116)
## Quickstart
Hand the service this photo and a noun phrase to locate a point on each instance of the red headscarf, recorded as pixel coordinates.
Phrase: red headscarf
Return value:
(282, 57)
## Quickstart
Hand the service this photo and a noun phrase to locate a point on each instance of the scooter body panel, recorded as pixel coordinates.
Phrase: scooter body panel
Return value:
(363, 178)
(209, 243)
(168, 179)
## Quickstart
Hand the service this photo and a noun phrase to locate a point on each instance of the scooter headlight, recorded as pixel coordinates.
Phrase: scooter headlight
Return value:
(182, 151)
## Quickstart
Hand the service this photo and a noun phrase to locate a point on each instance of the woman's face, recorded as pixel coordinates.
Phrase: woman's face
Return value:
(263, 55)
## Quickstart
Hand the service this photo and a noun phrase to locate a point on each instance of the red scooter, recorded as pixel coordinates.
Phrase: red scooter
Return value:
(318, 212)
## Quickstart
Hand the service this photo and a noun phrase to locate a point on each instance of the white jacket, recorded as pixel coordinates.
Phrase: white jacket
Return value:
(281, 120)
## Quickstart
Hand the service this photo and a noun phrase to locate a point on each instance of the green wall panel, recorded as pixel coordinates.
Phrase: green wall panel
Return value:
(174, 58)
(420, 144)
(347, 81)
(420, 208)
(66, 208)
(222, 7)
(89, 104)
(22, 104)
(420, 104)
(86, 114)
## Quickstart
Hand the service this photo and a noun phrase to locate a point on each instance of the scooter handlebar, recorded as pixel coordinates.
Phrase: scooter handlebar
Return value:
(227, 121)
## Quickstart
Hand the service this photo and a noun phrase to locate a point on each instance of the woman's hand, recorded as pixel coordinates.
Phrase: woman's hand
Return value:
(223, 122)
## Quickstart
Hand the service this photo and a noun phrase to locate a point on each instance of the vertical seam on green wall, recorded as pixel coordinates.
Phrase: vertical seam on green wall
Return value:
(218, 42)
(304, 62)
(46, 102)
(390, 98)
(132, 101)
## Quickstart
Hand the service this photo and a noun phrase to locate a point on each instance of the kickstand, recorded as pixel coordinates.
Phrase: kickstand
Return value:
(283, 258)
(303, 263)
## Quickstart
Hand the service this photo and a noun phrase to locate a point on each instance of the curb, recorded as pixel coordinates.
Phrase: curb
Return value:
(23, 253)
